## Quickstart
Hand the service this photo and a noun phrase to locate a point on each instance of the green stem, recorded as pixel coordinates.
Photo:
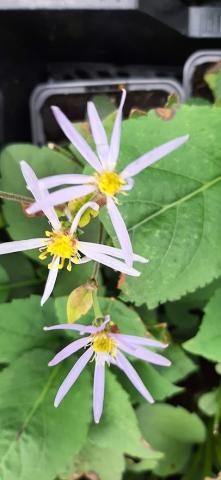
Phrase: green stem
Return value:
(97, 310)
(23, 283)
(15, 198)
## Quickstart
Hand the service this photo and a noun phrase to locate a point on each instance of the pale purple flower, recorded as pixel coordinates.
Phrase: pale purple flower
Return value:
(105, 346)
(106, 180)
(62, 245)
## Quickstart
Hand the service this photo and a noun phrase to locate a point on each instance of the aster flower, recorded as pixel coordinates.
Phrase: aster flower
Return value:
(105, 346)
(105, 180)
(62, 245)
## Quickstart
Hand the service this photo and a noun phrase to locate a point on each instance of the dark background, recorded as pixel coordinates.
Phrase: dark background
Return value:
(36, 46)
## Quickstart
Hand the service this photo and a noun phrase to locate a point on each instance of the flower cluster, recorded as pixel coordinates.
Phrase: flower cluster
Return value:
(62, 246)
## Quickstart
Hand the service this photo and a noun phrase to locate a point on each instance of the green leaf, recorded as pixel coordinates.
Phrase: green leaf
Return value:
(44, 162)
(154, 379)
(21, 327)
(207, 341)
(173, 431)
(37, 440)
(22, 278)
(181, 365)
(104, 104)
(208, 403)
(118, 428)
(4, 287)
(93, 458)
(116, 434)
(172, 212)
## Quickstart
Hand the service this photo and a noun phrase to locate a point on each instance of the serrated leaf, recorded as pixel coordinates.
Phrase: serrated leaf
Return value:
(208, 339)
(172, 212)
(37, 440)
(173, 431)
(21, 327)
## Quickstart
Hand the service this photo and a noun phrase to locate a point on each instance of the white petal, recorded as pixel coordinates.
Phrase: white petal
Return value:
(21, 245)
(53, 272)
(153, 156)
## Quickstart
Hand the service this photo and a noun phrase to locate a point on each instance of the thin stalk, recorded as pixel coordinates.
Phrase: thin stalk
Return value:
(97, 310)
(15, 198)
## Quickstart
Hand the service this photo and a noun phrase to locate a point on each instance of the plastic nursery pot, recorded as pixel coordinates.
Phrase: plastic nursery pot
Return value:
(194, 70)
(72, 97)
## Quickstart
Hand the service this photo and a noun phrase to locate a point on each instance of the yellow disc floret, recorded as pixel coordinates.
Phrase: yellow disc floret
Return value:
(109, 183)
(63, 245)
(103, 343)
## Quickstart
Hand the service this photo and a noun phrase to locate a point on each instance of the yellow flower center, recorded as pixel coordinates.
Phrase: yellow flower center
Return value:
(109, 183)
(102, 342)
(63, 245)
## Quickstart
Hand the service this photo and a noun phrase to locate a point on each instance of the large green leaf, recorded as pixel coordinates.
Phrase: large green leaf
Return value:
(116, 434)
(37, 440)
(118, 428)
(208, 339)
(173, 431)
(22, 279)
(21, 327)
(172, 212)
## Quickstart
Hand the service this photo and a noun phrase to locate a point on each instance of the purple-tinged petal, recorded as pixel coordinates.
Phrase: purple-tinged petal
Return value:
(69, 350)
(99, 134)
(121, 231)
(114, 252)
(40, 194)
(134, 340)
(84, 260)
(129, 185)
(98, 390)
(65, 179)
(21, 245)
(144, 354)
(76, 139)
(61, 196)
(78, 327)
(153, 156)
(116, 133)
(78, 216)
(53, 272)
(108, 261)
(133, 376)
(72, 376)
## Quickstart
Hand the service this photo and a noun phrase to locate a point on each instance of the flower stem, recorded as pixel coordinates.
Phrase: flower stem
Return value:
(15, 198)
(97, 310)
